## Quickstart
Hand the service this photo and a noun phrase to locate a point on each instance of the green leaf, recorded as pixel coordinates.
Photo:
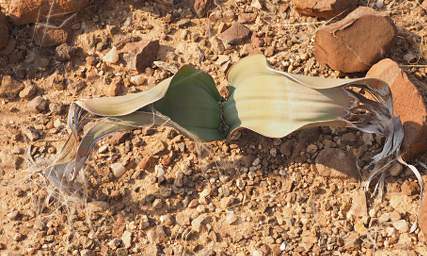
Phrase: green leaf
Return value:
(193, 102)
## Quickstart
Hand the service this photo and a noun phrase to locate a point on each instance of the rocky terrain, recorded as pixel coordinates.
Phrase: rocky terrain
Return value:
(153, 191)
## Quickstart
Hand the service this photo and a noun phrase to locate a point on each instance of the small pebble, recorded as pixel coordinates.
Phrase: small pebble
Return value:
(112, 56)
(118, 169)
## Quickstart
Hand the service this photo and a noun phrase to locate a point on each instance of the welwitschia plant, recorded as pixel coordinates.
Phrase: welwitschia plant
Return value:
(264, 100)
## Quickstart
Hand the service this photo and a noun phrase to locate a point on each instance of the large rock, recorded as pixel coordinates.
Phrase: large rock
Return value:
(31, 11)
(235, 34)
(4, 31)
(408, 104)
(355, 43)
(336, 163)
(324, 9)
(139, 55)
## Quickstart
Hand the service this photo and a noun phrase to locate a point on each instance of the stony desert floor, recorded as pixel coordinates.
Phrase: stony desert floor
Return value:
(249, 196)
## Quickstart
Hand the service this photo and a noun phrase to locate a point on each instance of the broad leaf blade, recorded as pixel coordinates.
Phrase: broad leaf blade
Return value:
(193, 102)
(274, 105)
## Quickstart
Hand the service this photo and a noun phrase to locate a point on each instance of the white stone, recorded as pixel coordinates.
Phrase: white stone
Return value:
(118, 169)
(102, 149)
(160, 172)
(127, 239)
(230, 218)
(112, 56)
(138, 79)
(283, 246)
(401, 225)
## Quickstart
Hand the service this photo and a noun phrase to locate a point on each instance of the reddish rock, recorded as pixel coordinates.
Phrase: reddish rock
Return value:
(235, 34)
(408, 104)
(31, 11)
(47, 37)
(325, 9)
(4, 32)
(146, 163)
(139, 55)
(336, 163)
(201, 7)
(118, 138)
(355, 43)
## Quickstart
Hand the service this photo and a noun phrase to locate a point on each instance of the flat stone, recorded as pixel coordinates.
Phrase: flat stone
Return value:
(408, 105)
(139, 55)
(356, 42)
(325, 9)
(336, 163)
(236, 34)
(38, 105)
(118, 169)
